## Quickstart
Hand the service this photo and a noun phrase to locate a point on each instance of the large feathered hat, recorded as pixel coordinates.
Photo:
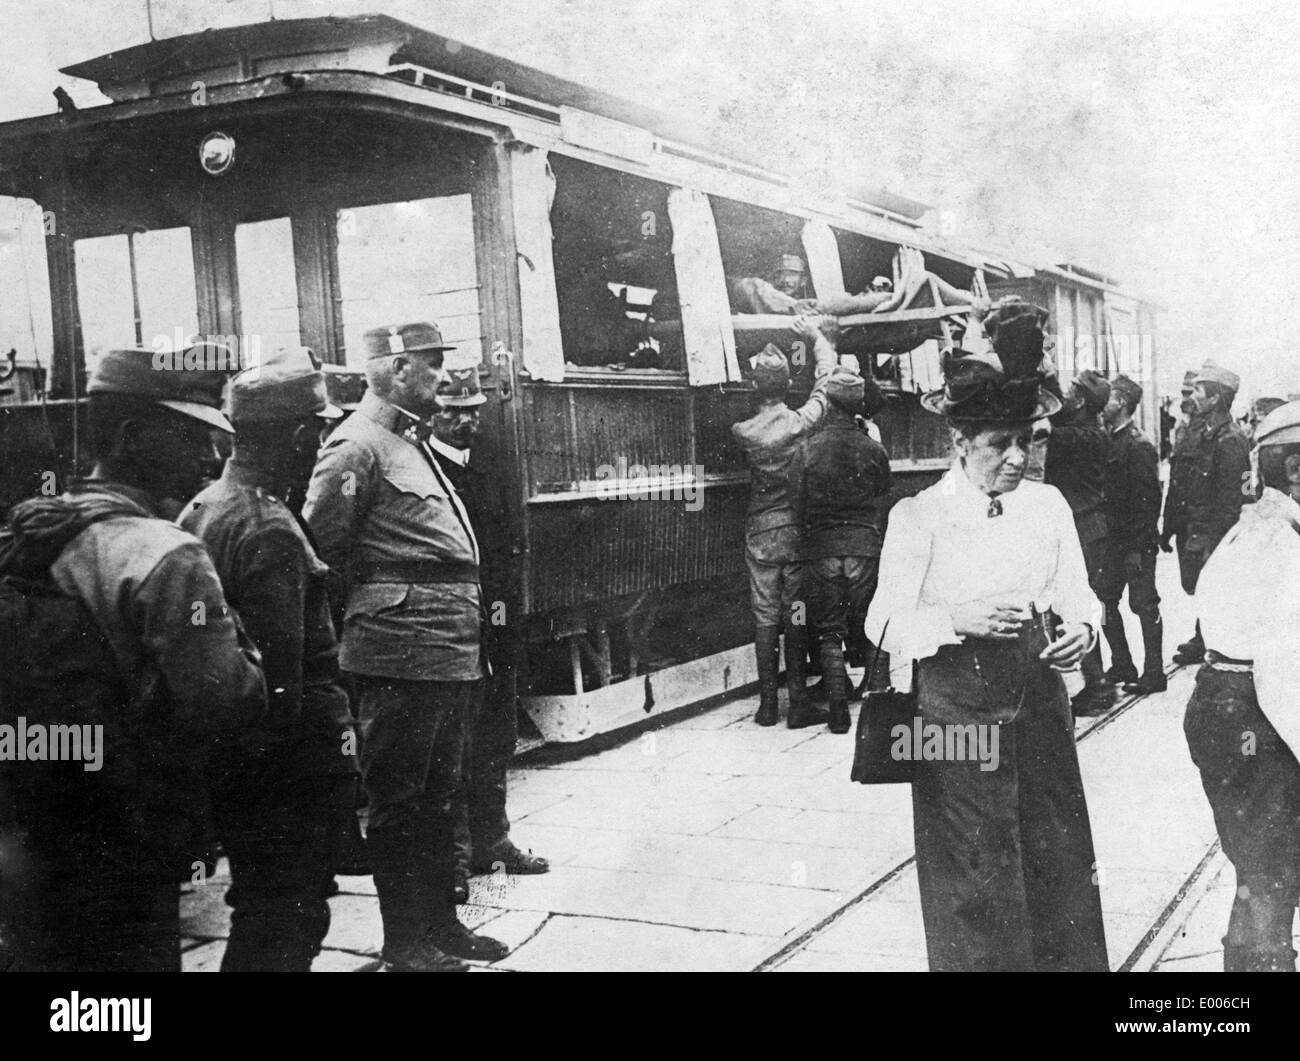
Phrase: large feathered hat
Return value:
(1005, 385)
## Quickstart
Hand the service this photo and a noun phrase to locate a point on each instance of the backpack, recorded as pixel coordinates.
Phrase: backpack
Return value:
(58, 669)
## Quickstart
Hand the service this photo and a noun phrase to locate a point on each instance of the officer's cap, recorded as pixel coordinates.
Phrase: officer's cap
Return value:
(287, 385)
(771, 369)
(404, 339)
(1094, 387)
(1214, 373)
(845, 387)
(1130, 389)
(160, 376)
(460, 389)
(1281, 427)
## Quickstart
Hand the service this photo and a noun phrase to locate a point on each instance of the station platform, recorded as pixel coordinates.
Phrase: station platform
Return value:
(714, 844)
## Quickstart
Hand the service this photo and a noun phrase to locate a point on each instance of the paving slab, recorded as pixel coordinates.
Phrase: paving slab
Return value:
(592, 944)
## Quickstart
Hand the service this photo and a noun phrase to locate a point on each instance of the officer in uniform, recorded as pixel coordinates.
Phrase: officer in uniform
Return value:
(397, 538)
(1243, 719)
(105, 855)
(845, 473)
(1207, 484)
(1076, 465)
(1133, 517)
(283, 796)
(483, 828)
(770, 439)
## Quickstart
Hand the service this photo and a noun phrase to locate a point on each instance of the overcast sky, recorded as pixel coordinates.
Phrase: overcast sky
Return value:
(1160, 144)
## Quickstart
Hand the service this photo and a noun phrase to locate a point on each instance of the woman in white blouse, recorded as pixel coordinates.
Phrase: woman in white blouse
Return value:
(983, 586)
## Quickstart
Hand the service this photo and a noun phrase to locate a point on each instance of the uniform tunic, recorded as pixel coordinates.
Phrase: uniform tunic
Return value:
(1207, 477)
(1132, 517)
(771, 440)
(1004, 856)
(283, 794)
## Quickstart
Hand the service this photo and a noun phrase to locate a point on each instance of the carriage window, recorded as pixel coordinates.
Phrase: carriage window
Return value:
(25, 313)
(763, 257)
(614, 278)
(268, 289)
(411, 261)
(136, 290)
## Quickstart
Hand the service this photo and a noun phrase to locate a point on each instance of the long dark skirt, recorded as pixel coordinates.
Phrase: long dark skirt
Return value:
(1004, 856)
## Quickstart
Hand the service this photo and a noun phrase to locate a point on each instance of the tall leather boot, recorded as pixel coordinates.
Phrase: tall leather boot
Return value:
(837, 684)
(767, 646)
(1121, 660)
(802, 713)
(1153, 667)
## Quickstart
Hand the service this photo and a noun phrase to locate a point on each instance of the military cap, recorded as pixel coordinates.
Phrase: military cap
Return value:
(285, 386)
(790, 262)
(404, 339)
(460, 389)
(1095, 388)
(771, 369)
(845, 387)
(1261, 407)
(1189, 379)
(1281, 427)
(1215, 373)
(155, 375)
(1130, 389)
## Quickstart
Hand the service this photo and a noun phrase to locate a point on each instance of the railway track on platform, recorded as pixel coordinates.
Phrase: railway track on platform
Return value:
(1142, 958)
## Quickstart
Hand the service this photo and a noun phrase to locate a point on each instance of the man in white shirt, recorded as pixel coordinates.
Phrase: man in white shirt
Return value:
(1243, 720)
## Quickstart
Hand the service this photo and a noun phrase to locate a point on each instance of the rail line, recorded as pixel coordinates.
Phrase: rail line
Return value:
(1150, 947)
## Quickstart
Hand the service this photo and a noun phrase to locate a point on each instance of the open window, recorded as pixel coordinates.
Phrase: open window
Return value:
(614, 276)
(409, 261)
(136, 290)
(24, 277)
(268, 286)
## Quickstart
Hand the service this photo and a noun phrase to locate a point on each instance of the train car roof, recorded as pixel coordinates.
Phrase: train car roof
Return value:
(350, 53)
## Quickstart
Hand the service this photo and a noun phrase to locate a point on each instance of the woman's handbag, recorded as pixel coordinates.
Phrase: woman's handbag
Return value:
(882, 710)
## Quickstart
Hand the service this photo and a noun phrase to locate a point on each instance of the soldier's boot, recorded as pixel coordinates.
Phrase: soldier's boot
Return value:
(767, 646)
(1153, 678)
(1192, 651)
(802, 714)
(1122, 669)
(403, 905)
(1097, 694)
(837, 685)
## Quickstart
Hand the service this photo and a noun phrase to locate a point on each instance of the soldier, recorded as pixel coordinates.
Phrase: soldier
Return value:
(159, 661)
(1133, 516)
(398, 541)
(845, 471)
(1076, 465)
(772, 532)
(1242, 722)
(1207, 481)
(483, 828)
(283, 796)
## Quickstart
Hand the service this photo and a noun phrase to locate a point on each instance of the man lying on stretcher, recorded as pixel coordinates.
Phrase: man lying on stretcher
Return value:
(789, 283)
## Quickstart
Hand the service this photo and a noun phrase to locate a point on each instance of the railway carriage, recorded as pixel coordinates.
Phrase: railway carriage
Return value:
(303, 181)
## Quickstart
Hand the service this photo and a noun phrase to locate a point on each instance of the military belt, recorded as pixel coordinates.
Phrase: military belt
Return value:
(416, 571)
(1218, 661)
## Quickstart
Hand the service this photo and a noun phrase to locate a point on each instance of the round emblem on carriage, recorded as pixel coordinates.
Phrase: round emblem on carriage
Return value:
(217, 153)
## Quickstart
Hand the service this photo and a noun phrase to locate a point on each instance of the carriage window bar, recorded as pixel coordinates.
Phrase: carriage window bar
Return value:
(409, 261)
(136, 289)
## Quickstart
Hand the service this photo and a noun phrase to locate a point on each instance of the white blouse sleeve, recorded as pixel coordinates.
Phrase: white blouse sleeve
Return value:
(911, 630)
